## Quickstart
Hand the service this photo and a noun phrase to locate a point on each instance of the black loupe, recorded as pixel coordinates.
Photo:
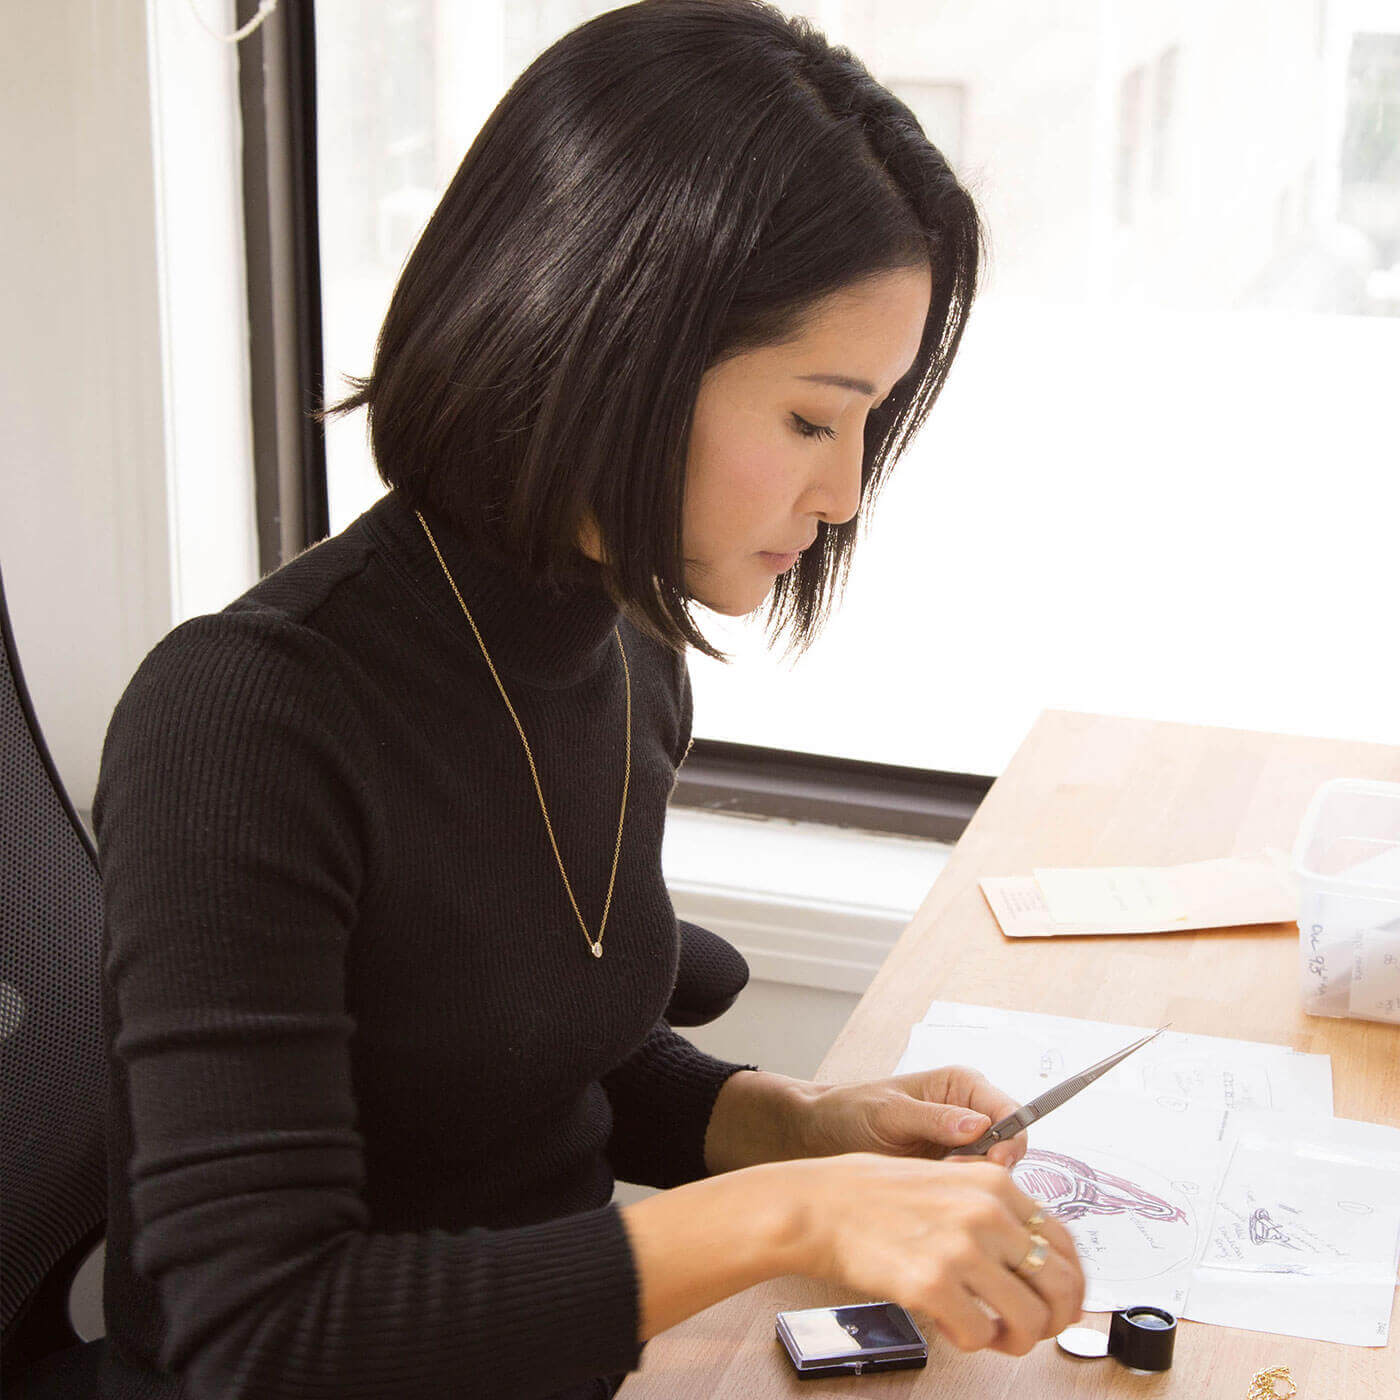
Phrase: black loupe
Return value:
(1143, 1338)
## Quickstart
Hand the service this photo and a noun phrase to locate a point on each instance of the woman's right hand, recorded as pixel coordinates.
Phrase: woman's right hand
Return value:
(942, 1239)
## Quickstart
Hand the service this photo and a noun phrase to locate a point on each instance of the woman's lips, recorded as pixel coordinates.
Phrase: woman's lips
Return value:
(780, 563)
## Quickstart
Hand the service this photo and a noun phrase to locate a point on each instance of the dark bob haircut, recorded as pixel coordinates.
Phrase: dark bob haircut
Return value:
(668, 185)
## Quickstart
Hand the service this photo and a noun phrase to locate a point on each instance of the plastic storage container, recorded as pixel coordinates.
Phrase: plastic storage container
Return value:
(1347, 863)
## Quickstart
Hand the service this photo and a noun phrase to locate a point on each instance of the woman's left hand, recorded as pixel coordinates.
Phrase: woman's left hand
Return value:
(909, 1115)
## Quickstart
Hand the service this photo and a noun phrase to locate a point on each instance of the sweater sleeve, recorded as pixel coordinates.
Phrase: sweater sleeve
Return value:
(662, 1096)
(231, 817)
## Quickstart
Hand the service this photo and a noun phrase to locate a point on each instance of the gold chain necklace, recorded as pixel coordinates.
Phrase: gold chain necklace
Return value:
(595, 945)
(1265, 1385)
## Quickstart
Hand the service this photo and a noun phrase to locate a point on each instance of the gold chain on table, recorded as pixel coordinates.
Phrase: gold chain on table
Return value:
(595, 945)
(1262, 1387)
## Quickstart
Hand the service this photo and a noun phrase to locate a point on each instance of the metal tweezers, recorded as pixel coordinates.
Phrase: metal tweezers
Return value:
(1042, 1104)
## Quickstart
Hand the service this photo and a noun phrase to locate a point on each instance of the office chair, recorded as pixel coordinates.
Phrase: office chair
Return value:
(711, 974)
(53, 1069)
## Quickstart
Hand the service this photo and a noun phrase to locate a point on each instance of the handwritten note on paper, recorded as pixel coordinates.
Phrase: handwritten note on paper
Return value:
(1375, 977)
(1281, 1213)
(1304, 1234)
(1221, 893)
(1128, 895)
(1350, 940)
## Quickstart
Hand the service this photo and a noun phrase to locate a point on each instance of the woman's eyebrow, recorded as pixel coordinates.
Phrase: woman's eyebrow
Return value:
(841, 381)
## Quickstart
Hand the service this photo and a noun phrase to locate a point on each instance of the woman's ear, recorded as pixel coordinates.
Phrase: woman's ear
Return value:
(590, 539)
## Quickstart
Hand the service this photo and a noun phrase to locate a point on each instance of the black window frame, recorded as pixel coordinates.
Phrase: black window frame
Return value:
(277, 94)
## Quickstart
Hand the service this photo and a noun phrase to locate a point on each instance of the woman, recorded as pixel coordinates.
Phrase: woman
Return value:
(389, 942)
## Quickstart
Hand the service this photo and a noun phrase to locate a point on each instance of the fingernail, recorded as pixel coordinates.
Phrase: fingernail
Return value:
(969, 1121)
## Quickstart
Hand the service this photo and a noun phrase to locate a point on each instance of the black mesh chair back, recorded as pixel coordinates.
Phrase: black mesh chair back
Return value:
(53, 1069)
(709, 977)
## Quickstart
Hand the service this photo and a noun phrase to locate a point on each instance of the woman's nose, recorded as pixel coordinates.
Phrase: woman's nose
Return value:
(838, 492)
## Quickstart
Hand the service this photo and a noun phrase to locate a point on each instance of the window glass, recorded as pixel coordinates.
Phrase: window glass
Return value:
(1162, 478)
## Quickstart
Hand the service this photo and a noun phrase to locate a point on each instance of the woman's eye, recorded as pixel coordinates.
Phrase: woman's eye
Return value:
(811, 430)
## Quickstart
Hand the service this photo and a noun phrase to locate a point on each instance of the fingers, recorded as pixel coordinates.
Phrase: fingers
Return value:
(980, 1301)
(1059, 1239)
(1031, 1306)
(962, 1321)
(963, 1087)
(947, 1244)
(1021, 1206)
(1000, 1182)
(1026, 1208)
(972, 1089)
(1007, 1154)
(1003, 1154)
(1060, 1285)
(1059, 1281)
(952, 1125)
(1025, 1315)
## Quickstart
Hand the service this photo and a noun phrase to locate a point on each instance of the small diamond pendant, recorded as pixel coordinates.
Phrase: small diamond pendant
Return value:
(597, 949)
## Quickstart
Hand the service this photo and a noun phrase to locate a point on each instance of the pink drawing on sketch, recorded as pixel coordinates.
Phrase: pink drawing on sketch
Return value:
(1070, 1189)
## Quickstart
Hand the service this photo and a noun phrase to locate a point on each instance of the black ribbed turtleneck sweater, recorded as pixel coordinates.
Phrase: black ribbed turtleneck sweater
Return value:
(370, 1089)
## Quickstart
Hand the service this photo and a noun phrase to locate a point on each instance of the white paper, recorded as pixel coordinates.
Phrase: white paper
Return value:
(1116, 896)
(1288, 1214)
(1304, 1236)
(1204, 894)
(1025, 1052)
(1203, 1175)
(1132, 1181)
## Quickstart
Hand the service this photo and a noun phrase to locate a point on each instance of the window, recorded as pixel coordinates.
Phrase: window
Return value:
(1369, 180)
(940, 108)
(1161, 480)
(1163, 98)
(1129, 143)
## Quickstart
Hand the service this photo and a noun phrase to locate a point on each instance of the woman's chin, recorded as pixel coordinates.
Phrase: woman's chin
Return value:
(734, 602)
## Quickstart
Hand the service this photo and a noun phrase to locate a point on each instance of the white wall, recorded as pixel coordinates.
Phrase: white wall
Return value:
(127, 483)
(84, 542)
(83, 535)
(202, 259)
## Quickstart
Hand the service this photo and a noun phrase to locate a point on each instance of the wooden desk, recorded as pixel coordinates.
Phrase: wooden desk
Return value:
(1090, 790)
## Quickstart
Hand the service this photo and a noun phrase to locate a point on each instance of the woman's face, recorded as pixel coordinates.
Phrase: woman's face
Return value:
(776, 444)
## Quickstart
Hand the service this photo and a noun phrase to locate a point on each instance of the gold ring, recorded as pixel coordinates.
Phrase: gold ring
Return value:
(1035, 1222)
(1035, 1257)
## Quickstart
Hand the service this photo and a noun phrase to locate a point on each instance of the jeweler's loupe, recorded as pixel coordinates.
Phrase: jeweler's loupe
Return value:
(1141, 1338)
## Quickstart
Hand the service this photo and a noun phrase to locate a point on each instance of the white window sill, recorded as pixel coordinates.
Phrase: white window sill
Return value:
(807, 904)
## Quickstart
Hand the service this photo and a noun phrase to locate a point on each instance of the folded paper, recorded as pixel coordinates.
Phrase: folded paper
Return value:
(1221, 893)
